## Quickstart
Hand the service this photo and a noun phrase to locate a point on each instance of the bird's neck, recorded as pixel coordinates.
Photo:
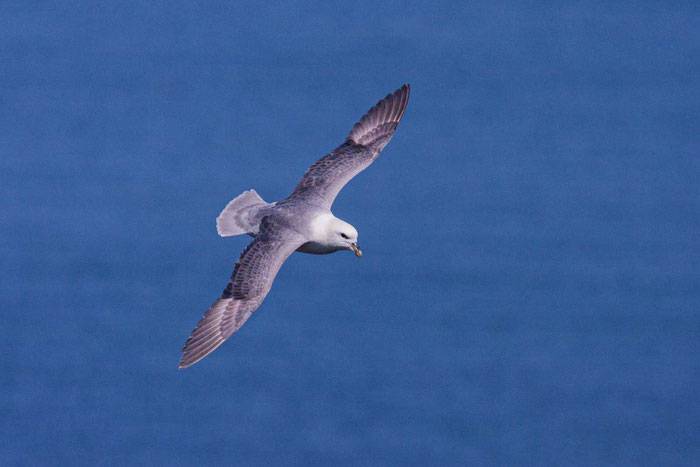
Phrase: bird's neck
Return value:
(321, 227)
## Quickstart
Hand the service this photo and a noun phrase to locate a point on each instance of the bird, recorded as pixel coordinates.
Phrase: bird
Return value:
(301, 222)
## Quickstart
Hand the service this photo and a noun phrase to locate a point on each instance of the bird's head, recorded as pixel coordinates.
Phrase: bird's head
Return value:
(344, 236)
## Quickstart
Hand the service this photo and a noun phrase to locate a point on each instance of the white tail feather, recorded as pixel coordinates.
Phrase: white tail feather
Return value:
(238, 217)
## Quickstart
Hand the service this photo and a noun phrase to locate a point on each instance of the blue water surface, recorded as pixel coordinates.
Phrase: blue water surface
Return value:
(530, 289)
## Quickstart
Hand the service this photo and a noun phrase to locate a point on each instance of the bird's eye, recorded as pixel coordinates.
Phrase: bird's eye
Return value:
(344, 236)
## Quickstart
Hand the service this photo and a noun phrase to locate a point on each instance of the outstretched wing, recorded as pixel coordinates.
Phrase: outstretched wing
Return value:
(322, 182)
(249, 284)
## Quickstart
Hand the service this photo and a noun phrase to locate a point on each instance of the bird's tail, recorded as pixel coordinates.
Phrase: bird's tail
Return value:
(241, 215)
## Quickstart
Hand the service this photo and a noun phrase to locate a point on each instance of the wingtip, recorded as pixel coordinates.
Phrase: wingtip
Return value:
(188, 359)
(181, 364)
(405, 89)
(186, 364)
(401, 93)
(387, 110)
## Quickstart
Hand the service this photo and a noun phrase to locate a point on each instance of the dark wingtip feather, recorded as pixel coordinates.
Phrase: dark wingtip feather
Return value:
(389, 110)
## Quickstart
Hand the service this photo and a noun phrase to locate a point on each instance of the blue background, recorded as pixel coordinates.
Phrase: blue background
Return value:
(530, 290)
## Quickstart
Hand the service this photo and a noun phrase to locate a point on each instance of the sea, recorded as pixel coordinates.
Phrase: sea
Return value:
(529, 292)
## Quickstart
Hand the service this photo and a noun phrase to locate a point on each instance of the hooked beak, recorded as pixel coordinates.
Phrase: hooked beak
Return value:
(356, 249)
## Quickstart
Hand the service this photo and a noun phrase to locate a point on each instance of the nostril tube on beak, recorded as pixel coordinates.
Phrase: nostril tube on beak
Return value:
(356, 249)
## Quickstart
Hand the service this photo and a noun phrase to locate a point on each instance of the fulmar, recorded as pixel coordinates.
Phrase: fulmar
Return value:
(302, 222)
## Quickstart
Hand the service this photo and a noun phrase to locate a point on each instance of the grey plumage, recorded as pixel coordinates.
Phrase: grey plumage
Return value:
(251, 280)
(302, 222)
(323, 180)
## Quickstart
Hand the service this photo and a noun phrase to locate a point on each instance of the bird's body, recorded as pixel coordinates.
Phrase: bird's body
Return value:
(301, 222)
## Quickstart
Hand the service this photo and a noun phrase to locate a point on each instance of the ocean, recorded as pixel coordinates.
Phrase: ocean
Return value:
(529, 292)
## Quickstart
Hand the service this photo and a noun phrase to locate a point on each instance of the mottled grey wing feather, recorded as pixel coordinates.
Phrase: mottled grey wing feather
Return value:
(323, 180)
(249, 284)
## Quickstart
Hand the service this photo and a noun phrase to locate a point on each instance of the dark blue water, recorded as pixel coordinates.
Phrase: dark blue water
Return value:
(530, 289)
